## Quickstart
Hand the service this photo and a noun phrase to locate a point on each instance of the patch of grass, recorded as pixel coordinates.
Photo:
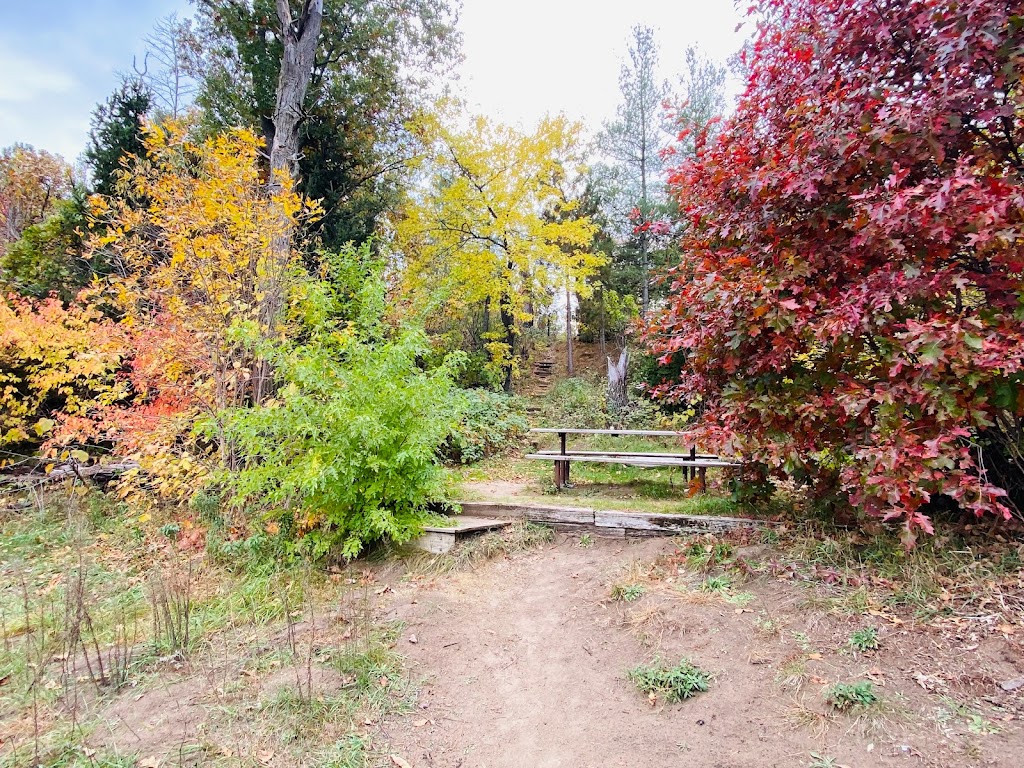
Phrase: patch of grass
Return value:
(682, 681)
(719, 584)
(949, 574)
(628, 592)
(373, 672)
(767, 626)
(848, 602)
(586, 541)
(350, 752)
(802, 641)
(976, 723)
(792, 673)
(822, 761)
(864, 640)
(703, 555)
(850, 696)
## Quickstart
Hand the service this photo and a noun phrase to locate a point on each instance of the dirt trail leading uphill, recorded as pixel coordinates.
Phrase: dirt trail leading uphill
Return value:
(524, 664)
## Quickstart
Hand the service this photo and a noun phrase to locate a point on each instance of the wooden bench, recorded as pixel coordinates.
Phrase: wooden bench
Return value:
(694, 464)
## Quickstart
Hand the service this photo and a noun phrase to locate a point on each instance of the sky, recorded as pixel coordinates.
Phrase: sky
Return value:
(523, 58)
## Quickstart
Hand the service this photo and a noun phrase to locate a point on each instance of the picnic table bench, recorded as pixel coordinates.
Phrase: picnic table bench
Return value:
(696, 464)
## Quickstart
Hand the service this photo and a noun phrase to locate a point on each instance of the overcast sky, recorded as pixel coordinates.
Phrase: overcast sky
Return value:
(523, 58)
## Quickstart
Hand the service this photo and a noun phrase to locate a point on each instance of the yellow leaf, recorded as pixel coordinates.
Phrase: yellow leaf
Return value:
(145, 517)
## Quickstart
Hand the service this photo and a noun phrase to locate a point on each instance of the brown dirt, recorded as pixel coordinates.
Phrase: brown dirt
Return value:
(524, 664)
(521, 663)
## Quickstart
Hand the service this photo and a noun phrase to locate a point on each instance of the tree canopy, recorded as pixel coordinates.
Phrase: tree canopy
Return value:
(849, 301)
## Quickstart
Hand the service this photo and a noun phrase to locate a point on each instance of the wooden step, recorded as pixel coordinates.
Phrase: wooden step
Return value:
(615, 524)
(439, 539)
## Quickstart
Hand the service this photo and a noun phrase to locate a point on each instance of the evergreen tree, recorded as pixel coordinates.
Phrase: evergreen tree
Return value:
(117, 133)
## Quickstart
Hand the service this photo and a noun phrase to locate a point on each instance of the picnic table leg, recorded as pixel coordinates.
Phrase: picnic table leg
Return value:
(703, 474)
(693, 457)
(561, 467)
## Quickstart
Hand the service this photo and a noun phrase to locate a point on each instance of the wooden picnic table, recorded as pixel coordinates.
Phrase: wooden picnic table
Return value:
(696, 463)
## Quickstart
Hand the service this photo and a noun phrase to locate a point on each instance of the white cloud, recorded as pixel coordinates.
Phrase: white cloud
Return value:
(27, 78)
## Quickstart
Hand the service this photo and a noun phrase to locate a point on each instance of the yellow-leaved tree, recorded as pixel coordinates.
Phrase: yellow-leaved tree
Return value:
(491, 225)
(194, 239)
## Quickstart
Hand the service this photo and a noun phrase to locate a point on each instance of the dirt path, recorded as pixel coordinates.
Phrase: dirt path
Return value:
(524, 665)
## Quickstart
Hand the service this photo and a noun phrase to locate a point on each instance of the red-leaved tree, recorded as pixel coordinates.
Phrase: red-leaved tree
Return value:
(850, 302)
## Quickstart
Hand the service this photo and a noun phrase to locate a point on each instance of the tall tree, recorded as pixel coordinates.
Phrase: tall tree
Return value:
(699, 103)
(117, 133)
(492, 225)
(168, 66)
(49, 256)
(371, 72)
(31, 184)
(848, 306)
(300, 36)
(633, 142)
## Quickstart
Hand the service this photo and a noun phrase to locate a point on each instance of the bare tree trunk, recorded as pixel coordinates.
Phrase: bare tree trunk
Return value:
(508, 322)
(568, 331)
(617, 392)
(300, 40)
(300, 36)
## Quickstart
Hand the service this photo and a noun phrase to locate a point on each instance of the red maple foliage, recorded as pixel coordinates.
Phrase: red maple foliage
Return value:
(850, 303)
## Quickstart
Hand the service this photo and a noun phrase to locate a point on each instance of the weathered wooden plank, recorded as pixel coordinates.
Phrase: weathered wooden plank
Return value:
(634, 432)
(469, 524)
(536, 514)
(655, 524)
(584, 454)
(636, 461)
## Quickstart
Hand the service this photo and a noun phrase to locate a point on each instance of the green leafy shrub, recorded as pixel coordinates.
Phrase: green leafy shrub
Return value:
(576, 403)
(845, 696)
(628, 592)
(638, 413)
(682, 681)
(346, 453)
(488, 422)
(864, 640)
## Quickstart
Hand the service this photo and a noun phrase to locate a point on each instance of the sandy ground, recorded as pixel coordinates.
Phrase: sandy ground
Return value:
(524, 661)
(521, 662)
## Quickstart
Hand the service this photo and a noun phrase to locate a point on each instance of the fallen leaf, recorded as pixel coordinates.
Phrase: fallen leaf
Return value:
(400, 762)
(1006, 629)
(814, 657)
(412, 639)
(818, 680)
(419, 723)
(265, 757)
(149, 762)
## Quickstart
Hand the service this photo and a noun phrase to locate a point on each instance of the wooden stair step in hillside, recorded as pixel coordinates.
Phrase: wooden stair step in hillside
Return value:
(440, 540)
